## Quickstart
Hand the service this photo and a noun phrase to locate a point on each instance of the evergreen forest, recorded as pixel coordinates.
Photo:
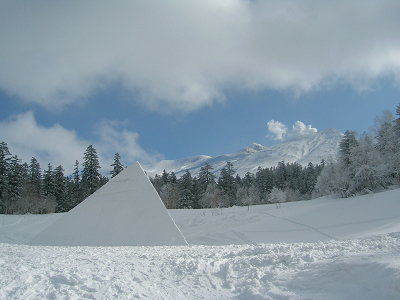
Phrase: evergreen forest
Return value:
(25, 188)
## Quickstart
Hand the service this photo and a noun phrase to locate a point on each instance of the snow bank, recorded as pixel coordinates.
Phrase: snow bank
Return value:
(367, 268)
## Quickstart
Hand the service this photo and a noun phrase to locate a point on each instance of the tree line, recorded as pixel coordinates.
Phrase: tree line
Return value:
(285, 182)
(24, 188)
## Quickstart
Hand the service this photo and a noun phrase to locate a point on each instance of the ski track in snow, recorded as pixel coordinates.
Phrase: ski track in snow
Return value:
(302, 224)
(10, 231)
(327, 270)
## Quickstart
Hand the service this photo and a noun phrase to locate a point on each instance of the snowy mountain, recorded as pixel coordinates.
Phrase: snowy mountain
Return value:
(302, 149)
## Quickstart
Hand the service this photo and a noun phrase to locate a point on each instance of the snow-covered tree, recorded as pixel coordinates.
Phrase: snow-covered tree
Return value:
(396, 129)
(277, 196)
(247, 195)
(388, 142)
(348, 142)
(170, 195)
(213, 197)
(368, 167)
(333, 180)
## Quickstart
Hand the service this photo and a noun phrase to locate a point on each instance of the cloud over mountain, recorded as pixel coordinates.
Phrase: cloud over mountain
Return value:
(277, 130)
(299, 128)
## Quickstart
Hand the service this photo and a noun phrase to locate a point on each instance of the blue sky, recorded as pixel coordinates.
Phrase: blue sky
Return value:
(167, 80)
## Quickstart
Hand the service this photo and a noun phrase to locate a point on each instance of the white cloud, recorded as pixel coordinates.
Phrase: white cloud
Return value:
(113, 138)
(299, 128)
(60, 146)
(184, 54)
(277, 130)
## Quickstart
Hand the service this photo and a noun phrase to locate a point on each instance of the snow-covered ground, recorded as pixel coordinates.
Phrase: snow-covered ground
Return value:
(319, 249)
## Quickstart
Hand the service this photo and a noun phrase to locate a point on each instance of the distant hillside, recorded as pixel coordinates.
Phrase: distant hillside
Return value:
(302, 149)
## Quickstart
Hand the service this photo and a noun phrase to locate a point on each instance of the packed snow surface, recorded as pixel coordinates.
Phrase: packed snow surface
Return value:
(320, 249)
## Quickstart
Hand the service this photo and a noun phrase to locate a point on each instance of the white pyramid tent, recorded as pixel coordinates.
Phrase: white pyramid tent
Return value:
(127, 211)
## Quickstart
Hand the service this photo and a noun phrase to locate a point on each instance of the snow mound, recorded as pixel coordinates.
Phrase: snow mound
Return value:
(127, 211)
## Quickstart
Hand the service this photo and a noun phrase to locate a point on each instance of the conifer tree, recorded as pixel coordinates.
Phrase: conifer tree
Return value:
(15, 185)
(35, 177)
(157, 183)
(59, 193)
(117, 165)
(48, 184)
(262, 183)
(4, 166)
(281, 175)
(348, 142)
(227, 183)
(310, 179)
(248, 180)
(91, 178)
(206, 177)
(172, 178)
(197, 193)
(75, 188)
(75, 175)
(165, 177)
(186, 188)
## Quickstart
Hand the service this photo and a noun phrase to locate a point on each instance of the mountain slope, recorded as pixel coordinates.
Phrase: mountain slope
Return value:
(303, 149)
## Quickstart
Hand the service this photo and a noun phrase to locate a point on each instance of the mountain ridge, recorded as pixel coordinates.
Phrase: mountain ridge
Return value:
(303, 149)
